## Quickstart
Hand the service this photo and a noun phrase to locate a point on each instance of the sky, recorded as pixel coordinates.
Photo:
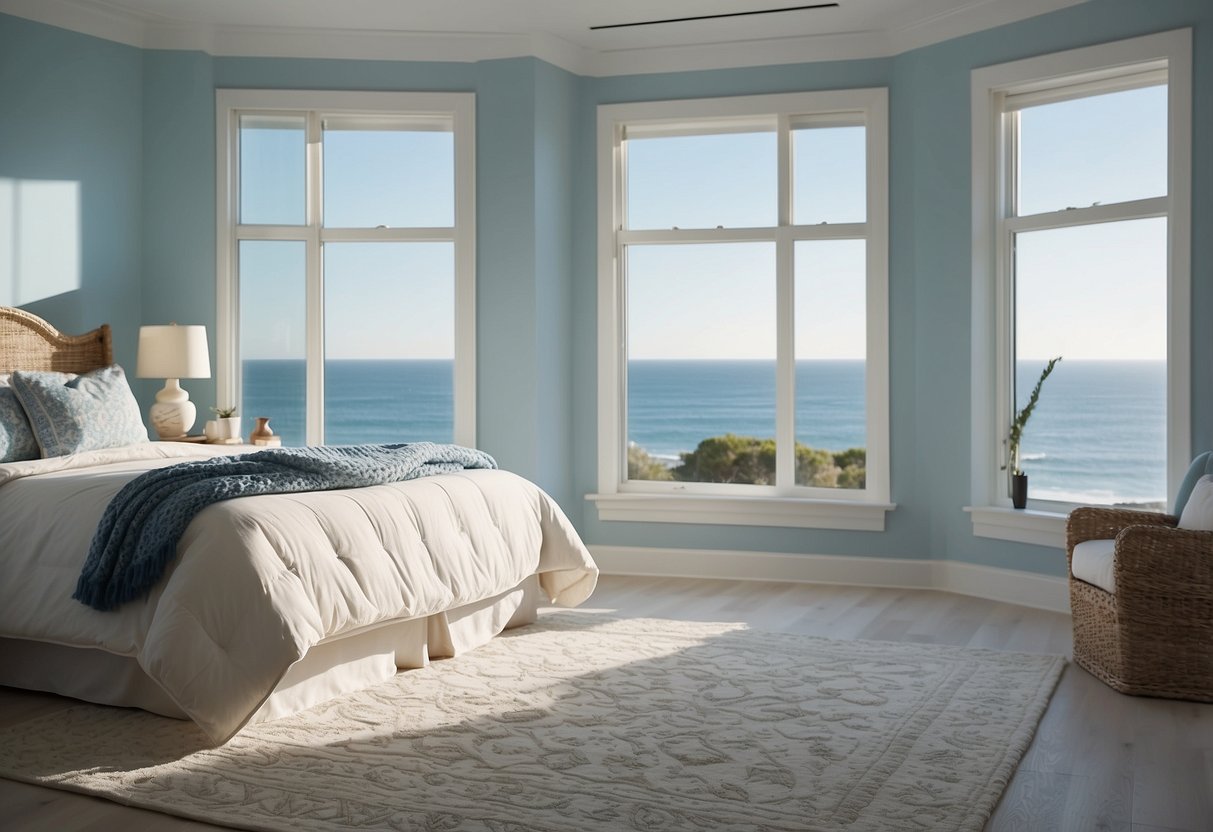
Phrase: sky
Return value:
(381, 300)
(1098, 292)
(717, 301)
(1095, 292)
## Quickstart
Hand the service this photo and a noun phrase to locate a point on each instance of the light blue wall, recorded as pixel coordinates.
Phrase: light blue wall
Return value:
(70, 111)
(178, 266)
(556, 96)
(507, 389)
(138, 130)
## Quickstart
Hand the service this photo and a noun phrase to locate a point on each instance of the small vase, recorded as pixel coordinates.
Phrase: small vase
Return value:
(228, 427)
(1019, 490)
(262, 431)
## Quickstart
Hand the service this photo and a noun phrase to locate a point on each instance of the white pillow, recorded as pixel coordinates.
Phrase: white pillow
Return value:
(1198, 513)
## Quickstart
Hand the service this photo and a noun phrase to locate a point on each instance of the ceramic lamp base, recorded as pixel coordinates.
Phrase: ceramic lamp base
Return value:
(172, 420)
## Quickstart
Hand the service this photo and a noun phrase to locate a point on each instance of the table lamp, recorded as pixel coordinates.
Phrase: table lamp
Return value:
(172, 353)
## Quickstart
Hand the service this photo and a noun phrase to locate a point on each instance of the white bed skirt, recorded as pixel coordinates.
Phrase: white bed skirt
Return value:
(335, 666)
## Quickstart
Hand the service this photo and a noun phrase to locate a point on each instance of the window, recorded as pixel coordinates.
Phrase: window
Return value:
(743, 310)
(1081, 167)
(346, 252)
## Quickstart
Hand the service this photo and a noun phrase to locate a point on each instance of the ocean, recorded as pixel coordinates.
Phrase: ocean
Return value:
(1098, 434)
(364, 401)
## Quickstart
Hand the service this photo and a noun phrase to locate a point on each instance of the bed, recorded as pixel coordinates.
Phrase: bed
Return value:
(274, 603)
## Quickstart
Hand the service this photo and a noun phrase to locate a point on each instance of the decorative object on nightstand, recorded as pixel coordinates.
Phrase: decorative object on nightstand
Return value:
(263, 436)
(1019, 480)
(224, 429)
(172, 353)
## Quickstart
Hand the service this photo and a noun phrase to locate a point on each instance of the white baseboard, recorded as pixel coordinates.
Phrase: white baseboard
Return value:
(1028, 589)
(1011, 586)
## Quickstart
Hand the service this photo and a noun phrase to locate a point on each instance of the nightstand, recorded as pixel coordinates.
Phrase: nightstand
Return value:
(200, 438)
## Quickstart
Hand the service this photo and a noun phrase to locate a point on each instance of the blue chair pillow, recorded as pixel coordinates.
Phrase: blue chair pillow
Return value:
(1200, 466)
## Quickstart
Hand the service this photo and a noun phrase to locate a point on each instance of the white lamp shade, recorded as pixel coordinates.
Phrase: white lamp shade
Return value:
(173, 352)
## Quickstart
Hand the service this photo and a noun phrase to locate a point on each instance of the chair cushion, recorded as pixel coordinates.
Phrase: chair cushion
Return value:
(1198, 512)
(1092, 563)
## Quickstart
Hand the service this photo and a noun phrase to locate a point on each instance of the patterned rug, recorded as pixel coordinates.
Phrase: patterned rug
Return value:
(585, 723)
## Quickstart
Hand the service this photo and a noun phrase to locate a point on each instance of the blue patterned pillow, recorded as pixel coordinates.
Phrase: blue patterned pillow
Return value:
(71, 414)
(16, 436)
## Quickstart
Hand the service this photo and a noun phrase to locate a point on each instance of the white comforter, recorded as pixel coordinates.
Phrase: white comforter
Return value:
(260, 580)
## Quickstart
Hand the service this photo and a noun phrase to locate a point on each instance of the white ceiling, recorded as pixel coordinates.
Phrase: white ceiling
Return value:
(555, 30)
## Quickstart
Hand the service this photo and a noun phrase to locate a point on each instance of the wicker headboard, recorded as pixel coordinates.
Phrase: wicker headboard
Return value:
(29, 343)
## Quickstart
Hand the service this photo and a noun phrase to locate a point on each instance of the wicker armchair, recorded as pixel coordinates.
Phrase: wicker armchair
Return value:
(1154, 637)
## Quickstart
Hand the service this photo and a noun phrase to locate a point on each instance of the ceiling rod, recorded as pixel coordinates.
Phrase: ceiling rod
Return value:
(717, 16)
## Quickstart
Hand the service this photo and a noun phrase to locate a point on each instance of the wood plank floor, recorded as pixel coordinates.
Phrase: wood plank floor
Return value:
(1100, 761)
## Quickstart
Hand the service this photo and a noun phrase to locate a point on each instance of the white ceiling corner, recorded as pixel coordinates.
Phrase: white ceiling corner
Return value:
(556, 31)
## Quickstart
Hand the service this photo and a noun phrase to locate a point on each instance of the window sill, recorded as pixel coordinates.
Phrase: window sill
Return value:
(742, 511)
(1042, 528)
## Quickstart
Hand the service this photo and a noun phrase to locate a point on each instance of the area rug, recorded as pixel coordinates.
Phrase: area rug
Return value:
(582, 722)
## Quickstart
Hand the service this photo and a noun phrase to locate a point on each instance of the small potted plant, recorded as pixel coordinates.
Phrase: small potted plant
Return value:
(225, 425)
(1019, 480)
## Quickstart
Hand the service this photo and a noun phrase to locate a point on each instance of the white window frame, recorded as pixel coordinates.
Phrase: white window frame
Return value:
(458, 109)
(996, 89)
(784, 504)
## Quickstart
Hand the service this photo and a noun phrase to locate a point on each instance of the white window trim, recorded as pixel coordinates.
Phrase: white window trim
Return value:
(748, 505)
(1095, 68)
(460, 108)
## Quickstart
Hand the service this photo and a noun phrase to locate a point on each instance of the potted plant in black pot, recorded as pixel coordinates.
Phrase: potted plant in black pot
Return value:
(1019, 480)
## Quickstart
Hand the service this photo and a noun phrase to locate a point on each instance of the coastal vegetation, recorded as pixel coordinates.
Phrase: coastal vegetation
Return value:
(751, 460)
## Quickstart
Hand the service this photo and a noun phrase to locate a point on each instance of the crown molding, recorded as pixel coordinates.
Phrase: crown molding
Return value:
(974, 17)
(965, 20)
(360, 44)
(93, 18)
(103, 20)
(737, 54)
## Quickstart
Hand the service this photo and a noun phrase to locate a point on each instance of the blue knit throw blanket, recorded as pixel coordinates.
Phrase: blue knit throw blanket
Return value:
(138, 533)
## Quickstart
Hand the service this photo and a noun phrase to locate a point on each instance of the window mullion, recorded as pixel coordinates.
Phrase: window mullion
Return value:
(619, 300)
(784, 170)
(315, 285)
(388, 235)
(1004, 244)
(831, 231)
(785, 321)
(660, 236)
(228, 381)
(785, 362)
(271, 232)
(1137, 209)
